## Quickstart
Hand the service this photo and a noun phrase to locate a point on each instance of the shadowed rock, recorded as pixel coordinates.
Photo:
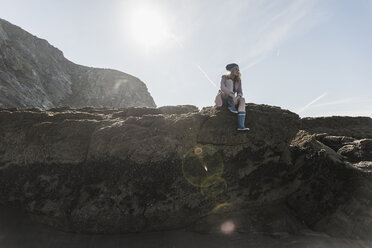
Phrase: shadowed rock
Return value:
(334, 142)
(358, 150)
(143, 169)
(333, 196)
(356, 127)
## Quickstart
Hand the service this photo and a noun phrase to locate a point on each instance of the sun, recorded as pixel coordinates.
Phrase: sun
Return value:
(149, 26)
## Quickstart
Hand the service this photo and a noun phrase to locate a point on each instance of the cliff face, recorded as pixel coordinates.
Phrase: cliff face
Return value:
(143, 169)
(35, 74)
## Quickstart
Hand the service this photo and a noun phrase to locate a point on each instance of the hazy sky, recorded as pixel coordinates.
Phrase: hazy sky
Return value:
(313, 57)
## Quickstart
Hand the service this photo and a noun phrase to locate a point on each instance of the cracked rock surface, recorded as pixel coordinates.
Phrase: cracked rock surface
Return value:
(152, 169)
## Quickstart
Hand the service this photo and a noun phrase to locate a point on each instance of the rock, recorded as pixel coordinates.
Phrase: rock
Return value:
(147, 169)
(135, 111)
(332, 196)
(334, 142)
(359, 150)
(35, 74)
(180, 109)
(364, 165)
(355, 127)
(106, 174)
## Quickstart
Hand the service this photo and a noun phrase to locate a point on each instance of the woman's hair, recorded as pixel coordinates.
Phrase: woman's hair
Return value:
(234, 78)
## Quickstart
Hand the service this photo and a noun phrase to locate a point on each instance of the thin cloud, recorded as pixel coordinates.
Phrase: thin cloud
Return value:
(252, 64)
(343, 101)
(279, 28)
(282, 25)
(173, 37)
(338, 102)
(311, 103)
(206, 75)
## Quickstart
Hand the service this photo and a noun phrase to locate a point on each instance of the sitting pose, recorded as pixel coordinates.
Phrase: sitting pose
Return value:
(231, 94)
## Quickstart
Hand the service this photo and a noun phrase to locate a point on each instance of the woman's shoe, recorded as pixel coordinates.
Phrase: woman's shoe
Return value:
(243, 129)
(233, 109)
(230, 105)
(241, 120)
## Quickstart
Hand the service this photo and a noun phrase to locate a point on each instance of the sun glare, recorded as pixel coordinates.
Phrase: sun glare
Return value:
(149, 26)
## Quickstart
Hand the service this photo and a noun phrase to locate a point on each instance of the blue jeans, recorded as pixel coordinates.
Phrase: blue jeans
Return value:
(228, 100)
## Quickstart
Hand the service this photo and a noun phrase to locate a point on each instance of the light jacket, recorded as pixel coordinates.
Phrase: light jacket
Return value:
(238, 87)
(225, 90)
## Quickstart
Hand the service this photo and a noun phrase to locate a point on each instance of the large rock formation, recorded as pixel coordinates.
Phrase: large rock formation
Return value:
(144, 169)
(357, 127)
(35, 74)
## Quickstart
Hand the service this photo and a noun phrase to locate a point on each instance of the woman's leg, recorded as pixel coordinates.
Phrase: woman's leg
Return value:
(241, 115)
(241, 106)
(230, 101)
(231, 105)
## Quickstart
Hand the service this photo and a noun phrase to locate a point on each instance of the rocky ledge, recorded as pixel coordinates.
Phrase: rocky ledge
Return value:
(150, 169)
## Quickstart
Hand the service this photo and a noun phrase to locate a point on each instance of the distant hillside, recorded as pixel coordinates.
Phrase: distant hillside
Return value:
(33, 73)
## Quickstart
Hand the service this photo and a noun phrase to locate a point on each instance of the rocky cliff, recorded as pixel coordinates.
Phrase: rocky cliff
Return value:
(35, 74)
(150, 169)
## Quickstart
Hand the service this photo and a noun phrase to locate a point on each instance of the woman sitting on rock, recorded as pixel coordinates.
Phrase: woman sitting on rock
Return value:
(231, 94)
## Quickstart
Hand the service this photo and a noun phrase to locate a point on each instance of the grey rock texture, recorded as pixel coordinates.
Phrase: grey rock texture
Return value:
(35, 74)
(364, 165)
(334, 196)
(146, 169)
(356, 127)
(334, 142)
(358, 150)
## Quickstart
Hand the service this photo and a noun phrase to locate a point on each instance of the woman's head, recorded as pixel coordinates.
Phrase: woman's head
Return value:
(234, 72)
(229, 67)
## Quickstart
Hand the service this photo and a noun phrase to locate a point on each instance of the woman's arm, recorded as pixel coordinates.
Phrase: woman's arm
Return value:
(239, 89)
(224, 89)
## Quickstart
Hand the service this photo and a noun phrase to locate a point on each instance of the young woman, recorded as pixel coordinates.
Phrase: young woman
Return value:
(232, 94)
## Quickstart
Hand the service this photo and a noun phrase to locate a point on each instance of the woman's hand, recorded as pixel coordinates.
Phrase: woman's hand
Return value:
(235, 98)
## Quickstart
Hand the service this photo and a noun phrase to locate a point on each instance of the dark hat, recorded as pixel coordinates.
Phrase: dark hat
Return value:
(230, 66)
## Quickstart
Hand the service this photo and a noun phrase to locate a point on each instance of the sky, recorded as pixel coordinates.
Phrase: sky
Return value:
(312, 57)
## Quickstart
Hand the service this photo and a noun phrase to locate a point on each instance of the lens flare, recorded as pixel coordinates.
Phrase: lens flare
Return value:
(227, 227)
(201, 164)
(213, 186)
(198, 151)
(221, 207)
